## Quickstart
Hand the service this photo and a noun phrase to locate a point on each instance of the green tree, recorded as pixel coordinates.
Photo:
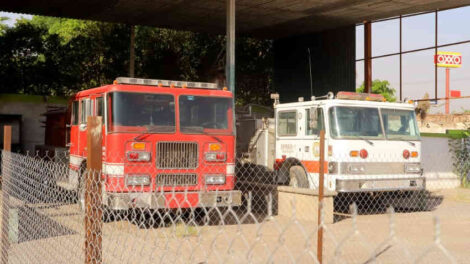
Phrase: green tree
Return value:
(66, 29)
(56, 56)
(3, 26)
(381, 87)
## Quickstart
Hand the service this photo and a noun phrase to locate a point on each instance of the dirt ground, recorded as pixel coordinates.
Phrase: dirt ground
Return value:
(54, 233)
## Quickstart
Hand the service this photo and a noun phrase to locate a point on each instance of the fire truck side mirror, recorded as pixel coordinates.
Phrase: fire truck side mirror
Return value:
(313, 118)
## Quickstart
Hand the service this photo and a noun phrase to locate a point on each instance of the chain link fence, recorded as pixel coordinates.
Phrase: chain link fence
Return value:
(181, 208)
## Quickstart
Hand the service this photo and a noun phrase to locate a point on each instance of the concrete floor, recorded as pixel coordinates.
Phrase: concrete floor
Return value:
(55, 234)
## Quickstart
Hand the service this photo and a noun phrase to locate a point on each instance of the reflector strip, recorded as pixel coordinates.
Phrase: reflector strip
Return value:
(230, 169)
(76, 160)
(113, 169)
(167, 83)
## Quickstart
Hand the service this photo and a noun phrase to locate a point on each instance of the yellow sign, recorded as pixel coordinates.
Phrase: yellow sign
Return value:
(448, 59)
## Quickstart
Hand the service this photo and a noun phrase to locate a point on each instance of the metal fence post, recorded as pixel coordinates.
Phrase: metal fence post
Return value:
(5, 196)
(93, 210)
(321, 186)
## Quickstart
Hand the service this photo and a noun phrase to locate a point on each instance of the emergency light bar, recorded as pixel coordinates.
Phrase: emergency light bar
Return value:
(167, 83)
(360, 96)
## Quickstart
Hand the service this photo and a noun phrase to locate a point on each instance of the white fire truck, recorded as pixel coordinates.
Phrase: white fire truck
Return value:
(370, 145)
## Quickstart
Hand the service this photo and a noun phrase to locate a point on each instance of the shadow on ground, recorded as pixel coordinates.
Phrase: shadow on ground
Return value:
(26, 224)
(379, 203)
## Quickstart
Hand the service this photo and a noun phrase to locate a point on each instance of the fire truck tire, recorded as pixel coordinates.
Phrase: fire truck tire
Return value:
(298, 177)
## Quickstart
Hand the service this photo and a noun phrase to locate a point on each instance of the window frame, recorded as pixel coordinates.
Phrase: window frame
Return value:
(85, 110)
(219, 131)
(296, 123)
(307, 120)
(109, 109)
(75, 116)
(418, 134)
(97, 99)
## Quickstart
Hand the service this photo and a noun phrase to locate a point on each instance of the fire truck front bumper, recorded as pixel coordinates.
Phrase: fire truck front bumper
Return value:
(381, 185)
(171, 200)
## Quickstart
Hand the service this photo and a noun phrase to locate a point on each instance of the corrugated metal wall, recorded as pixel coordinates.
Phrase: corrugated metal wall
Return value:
(333, 63)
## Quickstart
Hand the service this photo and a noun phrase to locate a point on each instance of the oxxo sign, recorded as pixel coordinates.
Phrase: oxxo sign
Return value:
(448, 59)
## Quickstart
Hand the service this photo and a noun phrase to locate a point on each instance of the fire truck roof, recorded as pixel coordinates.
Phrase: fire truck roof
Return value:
(172, 89)
(338, 102)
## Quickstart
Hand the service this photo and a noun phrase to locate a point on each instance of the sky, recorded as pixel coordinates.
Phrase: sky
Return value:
(13, 17)
(418, 68)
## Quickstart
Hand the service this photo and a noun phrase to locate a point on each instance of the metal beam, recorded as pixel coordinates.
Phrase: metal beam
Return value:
(435, 53)
(367, 57)
(230, 56)
(417, 50)
(401, 60)
(132, 52)
(230, 46)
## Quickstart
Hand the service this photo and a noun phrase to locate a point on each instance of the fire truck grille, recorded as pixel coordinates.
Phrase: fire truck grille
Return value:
(182, 179)
(177, 155)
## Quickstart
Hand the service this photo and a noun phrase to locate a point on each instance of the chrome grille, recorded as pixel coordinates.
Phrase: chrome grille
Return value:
(182, 179)
(177, 155)
(376, 167)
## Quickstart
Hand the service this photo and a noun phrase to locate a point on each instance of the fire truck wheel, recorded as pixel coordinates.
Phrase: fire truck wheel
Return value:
(297, 177)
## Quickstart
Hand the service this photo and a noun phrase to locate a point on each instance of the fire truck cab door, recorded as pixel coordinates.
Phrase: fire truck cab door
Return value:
(98, 102)
(309, 142)
(74, 130)
(92, 106)
(85, 111)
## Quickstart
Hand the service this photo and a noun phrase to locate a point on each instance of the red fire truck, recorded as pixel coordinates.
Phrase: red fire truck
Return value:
(166, 144)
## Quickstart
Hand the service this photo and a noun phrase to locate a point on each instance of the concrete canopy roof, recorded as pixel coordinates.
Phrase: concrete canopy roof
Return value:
(258, 18)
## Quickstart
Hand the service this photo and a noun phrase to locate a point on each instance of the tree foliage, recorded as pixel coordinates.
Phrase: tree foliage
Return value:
(56, 56)
(423, 107)
(381, 87)
(3, 27)
(460, 150)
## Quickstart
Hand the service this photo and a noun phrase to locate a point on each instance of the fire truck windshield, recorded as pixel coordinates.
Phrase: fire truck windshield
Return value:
(355, 122)
(366, 123)
(400, 124)
(138, 112)
(204, 114)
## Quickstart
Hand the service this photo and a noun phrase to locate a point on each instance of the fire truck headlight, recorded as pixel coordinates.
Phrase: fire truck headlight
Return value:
(138, 156)
(413, 168)
(215, 179)
(356, 168)
(137, 179)
(214, 156)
